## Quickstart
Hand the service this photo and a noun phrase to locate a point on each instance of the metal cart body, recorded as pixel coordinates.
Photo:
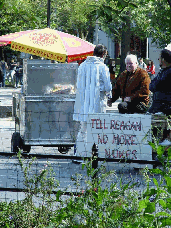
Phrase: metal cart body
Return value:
(44, 118)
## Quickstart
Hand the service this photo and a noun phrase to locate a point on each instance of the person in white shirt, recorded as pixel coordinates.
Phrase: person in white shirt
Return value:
(141, 64)
(93, 89)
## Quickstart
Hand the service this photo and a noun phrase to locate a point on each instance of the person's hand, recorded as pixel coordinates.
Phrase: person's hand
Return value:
(109, 102)
(128, 99)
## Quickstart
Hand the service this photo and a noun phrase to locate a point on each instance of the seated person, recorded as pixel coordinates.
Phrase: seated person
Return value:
(160, 86)
(133, 87)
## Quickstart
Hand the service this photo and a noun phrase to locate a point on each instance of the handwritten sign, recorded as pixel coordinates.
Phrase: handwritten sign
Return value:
(120, 135)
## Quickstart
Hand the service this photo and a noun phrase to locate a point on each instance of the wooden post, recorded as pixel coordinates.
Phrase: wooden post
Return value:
(95, 159)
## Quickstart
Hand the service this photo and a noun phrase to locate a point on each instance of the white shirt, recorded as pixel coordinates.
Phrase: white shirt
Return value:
(142, 65)
(93, 78)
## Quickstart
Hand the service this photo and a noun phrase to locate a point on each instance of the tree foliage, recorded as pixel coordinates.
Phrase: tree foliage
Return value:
(152, 18)
(20, 15)
(78, 17)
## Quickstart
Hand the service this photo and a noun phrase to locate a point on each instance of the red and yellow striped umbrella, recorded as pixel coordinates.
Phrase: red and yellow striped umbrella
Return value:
(49, 44)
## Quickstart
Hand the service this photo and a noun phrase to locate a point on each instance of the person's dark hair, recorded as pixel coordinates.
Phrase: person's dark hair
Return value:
(152, 63)
(166, 55)
(99, 50)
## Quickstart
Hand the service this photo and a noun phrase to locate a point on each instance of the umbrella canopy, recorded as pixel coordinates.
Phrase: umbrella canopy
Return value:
(6, 39)
(50, 44)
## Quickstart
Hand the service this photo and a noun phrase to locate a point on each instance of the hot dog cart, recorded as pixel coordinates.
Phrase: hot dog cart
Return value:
(43, 110)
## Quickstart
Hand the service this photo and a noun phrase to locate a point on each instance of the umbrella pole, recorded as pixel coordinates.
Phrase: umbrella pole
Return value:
(48, 14)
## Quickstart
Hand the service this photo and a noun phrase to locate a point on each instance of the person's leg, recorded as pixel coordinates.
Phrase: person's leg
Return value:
(81, 140)
(3, 78)
(165, 141)
(138, 108)
(131, 107)
(16, 81)
(12, 76)
(103, 102)
(7, 75)
(20, 79)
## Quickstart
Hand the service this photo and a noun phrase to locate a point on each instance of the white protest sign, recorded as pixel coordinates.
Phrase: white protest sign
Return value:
(120, 135)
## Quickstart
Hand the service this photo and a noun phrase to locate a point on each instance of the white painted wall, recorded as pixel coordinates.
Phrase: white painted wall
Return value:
(104, 39)
(154, 53)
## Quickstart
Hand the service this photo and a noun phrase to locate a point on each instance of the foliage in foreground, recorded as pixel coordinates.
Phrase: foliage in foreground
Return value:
(119, 205)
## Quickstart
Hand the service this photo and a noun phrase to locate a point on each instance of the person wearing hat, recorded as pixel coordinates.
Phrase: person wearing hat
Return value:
(160, 87)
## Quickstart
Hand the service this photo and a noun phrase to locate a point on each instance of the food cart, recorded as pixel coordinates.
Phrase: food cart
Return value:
(43, 110)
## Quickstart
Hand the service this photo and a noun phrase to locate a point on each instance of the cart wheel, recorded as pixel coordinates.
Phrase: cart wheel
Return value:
(15, 142)
(26, 148)
(63, 149)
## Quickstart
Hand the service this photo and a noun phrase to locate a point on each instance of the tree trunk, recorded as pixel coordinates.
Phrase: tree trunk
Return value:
(125, 44)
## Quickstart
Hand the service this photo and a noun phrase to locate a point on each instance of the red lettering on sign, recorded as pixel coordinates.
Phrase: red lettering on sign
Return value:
(98, 121)
(104, 124)
(107, 153)
(134, 154)
(93, 122)
(124, 139)
(122, 125)
(99, 124)
(117, 125)
(115, 139)
(103, 139)
(116, 153)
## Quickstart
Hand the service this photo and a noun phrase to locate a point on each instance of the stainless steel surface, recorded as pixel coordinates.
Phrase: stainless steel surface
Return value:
(41, 118)
(49, 121)
(40, 77)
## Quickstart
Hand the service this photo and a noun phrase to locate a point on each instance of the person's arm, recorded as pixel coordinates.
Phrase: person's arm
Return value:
(153, 69)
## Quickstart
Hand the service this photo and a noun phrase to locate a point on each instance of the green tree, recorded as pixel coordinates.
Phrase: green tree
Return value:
(144, 18)
(75, 17)
(153, 19)
(18, 15)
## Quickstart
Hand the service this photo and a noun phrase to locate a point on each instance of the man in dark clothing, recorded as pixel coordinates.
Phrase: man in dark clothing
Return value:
(112, 69)
(4, 67)
(12, 70)
(160, 86)
(19, 74)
